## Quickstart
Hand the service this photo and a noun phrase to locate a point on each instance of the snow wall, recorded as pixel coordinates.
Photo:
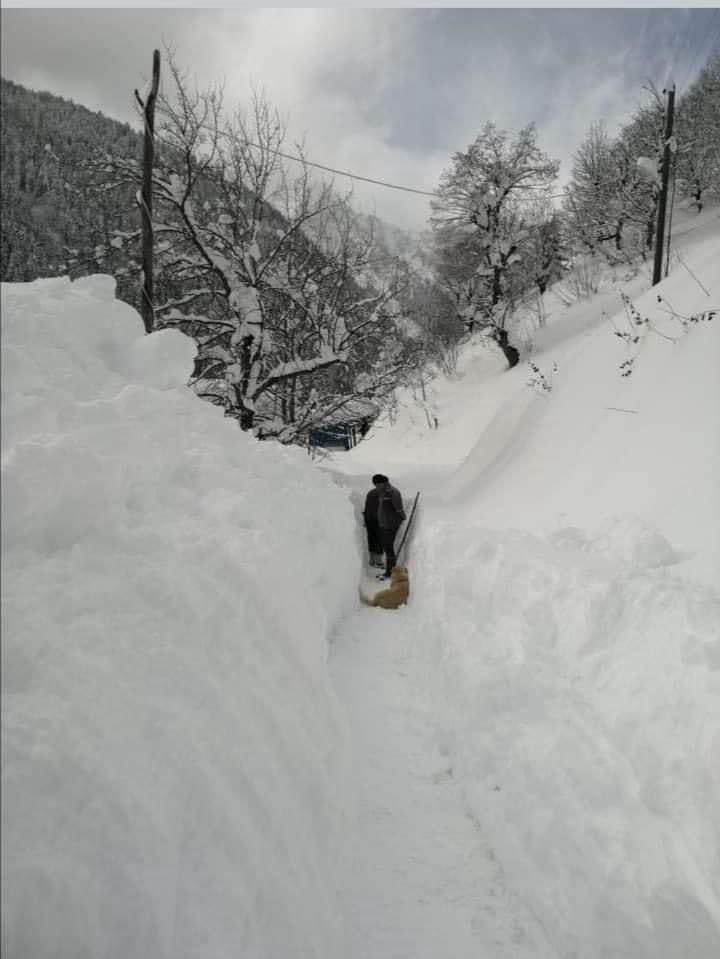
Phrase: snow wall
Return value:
(587, 739)
(173, 780)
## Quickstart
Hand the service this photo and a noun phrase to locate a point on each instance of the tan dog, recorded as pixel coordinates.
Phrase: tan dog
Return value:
(395, 595)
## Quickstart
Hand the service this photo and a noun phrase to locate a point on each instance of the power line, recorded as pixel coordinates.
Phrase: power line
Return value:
(415, 190)
(352, 176)
(365, 179)
(322, 166)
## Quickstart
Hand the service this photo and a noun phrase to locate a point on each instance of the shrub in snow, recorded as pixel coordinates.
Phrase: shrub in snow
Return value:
(638, 327)
(539, 381)
(171, 747)
(582, 279)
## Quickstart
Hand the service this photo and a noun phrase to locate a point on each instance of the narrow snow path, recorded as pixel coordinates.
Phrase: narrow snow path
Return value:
(425, 883)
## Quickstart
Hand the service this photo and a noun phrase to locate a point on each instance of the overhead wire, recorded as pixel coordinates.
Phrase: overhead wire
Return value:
(414, 190)
(346, 173)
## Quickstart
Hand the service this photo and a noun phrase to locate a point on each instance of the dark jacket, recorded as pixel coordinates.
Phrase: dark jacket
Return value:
(370, 513)
(390, 508)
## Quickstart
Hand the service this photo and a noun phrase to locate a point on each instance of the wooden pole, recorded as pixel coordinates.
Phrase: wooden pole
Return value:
(662, 203)
(670, 215)
(148, 108)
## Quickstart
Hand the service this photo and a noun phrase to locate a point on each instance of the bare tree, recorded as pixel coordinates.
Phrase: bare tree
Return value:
(698, 135)
(479, 220)
(267, 272)
(329, 317)
(642, 137)
(219, 185)
(609, 207)
(431, 310)
(594, 210)
(542, 247)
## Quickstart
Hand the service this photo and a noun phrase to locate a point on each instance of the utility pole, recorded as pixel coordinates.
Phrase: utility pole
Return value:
(662, 201)
(670, 215)
(145, 201)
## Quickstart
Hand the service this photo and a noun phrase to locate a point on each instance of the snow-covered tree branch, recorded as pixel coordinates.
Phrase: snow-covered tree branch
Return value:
(480, 221)
(268, 271)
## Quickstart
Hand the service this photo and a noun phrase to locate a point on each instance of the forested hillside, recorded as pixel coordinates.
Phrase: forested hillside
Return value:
(303, 314)
(49, 227)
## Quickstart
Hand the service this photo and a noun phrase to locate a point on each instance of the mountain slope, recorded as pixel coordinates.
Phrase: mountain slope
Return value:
(45, 141)
(521, 456)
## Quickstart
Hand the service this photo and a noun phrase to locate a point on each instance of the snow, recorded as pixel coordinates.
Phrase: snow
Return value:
(558, 799)
(648, 168)
(172, 751)
(210, 748)
(517, 458)
(556, 678)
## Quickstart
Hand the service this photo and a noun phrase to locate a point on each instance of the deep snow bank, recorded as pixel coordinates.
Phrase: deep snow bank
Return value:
(171, 747)
(586, 679)
(602, 444)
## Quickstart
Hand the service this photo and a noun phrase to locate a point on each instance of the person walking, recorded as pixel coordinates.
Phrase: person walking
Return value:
(390, 518)
(370, 516)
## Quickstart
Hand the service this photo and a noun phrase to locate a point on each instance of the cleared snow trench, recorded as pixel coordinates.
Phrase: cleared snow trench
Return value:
(425, 882)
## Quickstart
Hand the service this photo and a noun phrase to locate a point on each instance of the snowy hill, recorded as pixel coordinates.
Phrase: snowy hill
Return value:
(210, 748)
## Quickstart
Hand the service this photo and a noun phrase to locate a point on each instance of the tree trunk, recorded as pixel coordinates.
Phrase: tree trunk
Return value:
(148, 107)
(650, 232)
(618, 235)
(697, 197)
(247, 419)
(247, 416)
(497, 286)
(511, 354)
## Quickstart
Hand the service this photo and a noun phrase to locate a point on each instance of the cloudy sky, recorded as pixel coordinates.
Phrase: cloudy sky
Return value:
(386, 93)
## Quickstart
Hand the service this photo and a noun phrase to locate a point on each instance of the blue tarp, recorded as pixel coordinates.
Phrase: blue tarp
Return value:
(333, 436)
